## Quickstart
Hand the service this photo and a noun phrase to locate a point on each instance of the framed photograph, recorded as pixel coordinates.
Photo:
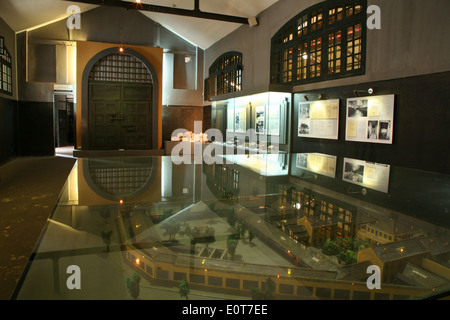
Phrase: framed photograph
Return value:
(240, 120)
(260, 119)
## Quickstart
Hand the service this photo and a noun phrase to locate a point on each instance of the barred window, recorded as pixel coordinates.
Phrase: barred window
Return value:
(328, 43)
(5, 69)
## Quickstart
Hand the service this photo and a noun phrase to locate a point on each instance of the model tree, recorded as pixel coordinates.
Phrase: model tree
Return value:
(133, 285)
(172, 228)
(105, 214)
(106, 237)
(184, 289)
(232, 243)
(232, 217)
(267, 294)
(251, 236)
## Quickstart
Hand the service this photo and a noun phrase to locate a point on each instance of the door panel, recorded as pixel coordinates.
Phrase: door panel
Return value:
(136, 92)
(104, 129)
(119, 116)
(104, 91)
(136, 125)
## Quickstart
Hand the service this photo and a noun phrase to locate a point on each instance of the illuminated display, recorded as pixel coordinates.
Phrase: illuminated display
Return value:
(370, 119)
(319, 119)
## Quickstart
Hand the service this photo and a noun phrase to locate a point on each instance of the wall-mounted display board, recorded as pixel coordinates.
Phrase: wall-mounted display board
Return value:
(370, 119)
(367, 174)
(318, 163)
(319, 119)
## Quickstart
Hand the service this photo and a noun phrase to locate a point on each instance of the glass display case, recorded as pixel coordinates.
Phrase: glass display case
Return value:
(143, 227)
(255, 123)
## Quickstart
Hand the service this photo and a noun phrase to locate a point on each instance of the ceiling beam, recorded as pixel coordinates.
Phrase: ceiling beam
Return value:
(196, 13)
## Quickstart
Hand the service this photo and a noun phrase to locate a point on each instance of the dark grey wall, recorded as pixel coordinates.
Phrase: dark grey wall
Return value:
(35, 129)
(418, 158)
(8, 130)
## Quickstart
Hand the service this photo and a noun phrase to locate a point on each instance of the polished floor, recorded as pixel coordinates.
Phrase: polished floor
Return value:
(29, 189)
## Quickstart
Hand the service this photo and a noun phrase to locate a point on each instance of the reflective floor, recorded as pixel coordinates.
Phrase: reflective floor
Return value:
(300, 226)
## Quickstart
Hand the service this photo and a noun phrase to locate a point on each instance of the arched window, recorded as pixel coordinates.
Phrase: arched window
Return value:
(119, 67)
(326, 41)
(5, 69)
(225, 74)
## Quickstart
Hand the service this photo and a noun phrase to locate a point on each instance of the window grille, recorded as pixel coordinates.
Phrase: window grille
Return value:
(120, 180)
(228, 71)
(120, 67)
(323, 42)
(5, 69)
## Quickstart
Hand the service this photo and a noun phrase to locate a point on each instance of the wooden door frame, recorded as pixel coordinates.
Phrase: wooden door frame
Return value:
(85, 143)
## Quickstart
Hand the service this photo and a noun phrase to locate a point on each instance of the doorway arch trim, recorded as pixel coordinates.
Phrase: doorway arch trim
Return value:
(85, 94)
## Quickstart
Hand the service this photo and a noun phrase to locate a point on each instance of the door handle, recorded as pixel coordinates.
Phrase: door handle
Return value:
(130, 128)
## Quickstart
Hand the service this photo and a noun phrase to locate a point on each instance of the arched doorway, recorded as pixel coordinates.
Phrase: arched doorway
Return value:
(120, 102)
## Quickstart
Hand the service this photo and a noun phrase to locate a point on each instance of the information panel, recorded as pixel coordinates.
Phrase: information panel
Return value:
(367, 174)
(230, 119)
(370, 119)
(319, 119)
(273, 117)
(240, 120)
(318, 163)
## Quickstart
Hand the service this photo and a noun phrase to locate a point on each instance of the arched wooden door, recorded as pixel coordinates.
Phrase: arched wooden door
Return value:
(120, 104)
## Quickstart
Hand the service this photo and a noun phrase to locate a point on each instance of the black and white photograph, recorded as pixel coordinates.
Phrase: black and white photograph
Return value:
(302, 160)
(372, 130)
(303, 129)
(304, 110)
(358, 108)
(354, 172)
(260, 119)
(240, 121)
(384, 130)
